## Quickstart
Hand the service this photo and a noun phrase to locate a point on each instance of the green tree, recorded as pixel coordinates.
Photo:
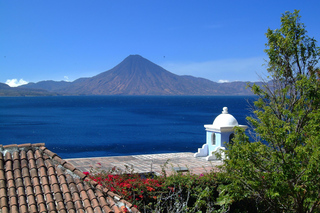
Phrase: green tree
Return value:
(281, 169)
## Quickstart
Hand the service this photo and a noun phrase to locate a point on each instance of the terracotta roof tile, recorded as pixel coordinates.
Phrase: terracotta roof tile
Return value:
(79, 206)
(25, 172)
(45, 181)
(37, 154)
(4, 202)
(32, 163)
(69, 166)
(40, 163)
(87, 205)
(24, 163)
(79, 173)
(59, 160)
(16, 156)
(48, 152)
(97, 209)
(2, 184)
(1, 163)
(51, 206)
(3, 192)
(2, 175)
(23, 206)
(34, 179)
(56, 188)
(17, 173)
(23, 155)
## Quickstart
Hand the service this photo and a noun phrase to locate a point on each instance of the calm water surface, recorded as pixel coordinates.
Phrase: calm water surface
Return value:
(92, 126)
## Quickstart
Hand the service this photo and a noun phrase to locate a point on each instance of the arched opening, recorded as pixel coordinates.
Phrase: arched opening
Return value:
(213, 139)
(231, 136)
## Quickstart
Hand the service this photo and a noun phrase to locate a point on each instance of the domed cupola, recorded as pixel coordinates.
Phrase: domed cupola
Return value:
(219, 133)
(224, 120)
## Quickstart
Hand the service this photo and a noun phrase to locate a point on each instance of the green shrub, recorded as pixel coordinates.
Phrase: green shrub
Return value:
(177, 192)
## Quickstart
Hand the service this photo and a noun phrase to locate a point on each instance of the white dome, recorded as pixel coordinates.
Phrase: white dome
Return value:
(225, 120)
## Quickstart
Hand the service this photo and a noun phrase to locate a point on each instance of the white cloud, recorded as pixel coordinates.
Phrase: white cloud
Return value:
(15, 83)
(237, 69)
(223, 81)
(66, 78)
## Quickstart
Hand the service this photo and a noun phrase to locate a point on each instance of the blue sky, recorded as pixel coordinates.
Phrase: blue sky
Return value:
(66, 40)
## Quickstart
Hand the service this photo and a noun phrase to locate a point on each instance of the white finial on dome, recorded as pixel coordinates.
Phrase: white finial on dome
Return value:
(225, 119)
(225, 110)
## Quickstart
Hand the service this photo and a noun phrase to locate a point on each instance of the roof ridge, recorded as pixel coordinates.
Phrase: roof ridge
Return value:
(25, 145)
(18, 147)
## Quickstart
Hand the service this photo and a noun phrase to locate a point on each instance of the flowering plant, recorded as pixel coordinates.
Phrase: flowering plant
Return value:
(182, 192)
(177, 192)
(141, 190)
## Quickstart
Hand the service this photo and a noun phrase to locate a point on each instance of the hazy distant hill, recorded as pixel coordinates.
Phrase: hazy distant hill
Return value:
(47, 85)
(136, 75)
(6, 90)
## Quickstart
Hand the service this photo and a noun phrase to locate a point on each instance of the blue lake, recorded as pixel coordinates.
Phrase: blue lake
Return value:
(93, 126)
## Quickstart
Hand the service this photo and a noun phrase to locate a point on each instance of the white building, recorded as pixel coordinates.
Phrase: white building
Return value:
(218, 133)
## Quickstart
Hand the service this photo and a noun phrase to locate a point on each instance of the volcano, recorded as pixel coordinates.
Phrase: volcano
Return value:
(136, 75)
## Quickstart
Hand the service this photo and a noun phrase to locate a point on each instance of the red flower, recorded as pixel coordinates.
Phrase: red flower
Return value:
(150, 189)
(86, 173)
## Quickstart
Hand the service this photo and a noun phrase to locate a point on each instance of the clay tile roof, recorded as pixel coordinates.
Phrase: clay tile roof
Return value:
(34, 179)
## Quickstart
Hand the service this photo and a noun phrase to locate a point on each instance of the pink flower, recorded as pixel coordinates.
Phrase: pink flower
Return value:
(86, 173)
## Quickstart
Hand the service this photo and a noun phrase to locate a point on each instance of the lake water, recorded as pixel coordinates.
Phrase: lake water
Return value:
(93, 126)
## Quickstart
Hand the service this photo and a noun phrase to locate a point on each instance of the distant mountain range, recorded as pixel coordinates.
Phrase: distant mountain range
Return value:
(135, 75)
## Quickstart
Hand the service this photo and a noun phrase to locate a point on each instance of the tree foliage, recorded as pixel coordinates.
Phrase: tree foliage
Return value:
(281, 168)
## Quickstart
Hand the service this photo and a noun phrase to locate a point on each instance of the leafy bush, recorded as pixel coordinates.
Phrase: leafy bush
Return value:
(189, 192)
(178, 192)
